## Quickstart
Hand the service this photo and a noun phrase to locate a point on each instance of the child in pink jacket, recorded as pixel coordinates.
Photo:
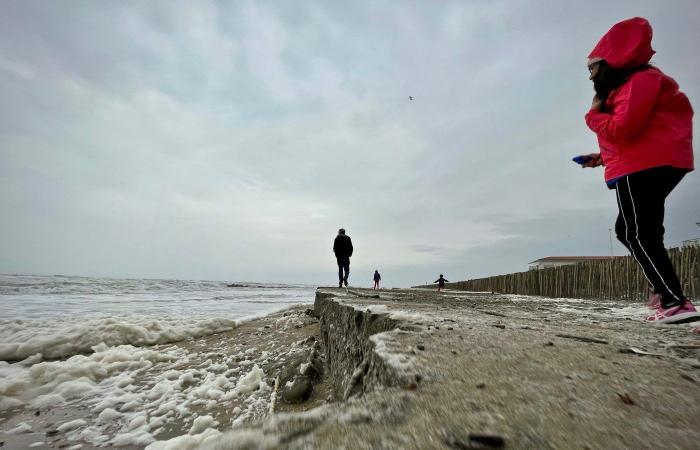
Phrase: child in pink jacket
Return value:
(645, 133)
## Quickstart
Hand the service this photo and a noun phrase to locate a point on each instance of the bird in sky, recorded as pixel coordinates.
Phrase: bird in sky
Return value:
(410, 98)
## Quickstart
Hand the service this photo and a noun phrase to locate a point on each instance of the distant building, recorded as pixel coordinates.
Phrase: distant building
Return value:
(556, 261)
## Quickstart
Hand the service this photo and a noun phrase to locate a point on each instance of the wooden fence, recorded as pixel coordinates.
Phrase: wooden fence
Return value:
(617, 278)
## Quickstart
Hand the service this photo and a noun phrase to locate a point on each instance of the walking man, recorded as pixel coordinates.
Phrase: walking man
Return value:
(377, 278)
(342, 247)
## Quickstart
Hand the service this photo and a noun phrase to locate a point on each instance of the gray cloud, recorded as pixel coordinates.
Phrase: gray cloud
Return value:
(230, 140)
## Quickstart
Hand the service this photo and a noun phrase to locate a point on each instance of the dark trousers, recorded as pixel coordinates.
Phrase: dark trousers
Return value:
(640, 227)
(343, 265)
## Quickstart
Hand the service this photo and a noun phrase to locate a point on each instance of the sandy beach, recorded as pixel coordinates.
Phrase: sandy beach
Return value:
(264, 347)
(408, 369)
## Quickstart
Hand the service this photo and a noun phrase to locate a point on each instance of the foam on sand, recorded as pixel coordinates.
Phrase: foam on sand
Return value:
(22, 427)
(387, 347)
(20, 339)
(104, 382)
(186, 441)
(134, 394)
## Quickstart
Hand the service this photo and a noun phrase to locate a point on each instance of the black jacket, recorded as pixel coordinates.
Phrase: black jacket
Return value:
(342, 246)
(441, 281)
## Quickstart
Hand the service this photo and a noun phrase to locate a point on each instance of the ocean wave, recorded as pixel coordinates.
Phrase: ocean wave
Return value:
(53, 339)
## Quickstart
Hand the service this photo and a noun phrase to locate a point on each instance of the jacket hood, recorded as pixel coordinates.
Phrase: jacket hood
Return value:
(626, 45)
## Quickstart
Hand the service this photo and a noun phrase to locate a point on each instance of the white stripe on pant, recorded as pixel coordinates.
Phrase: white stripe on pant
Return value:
(643, 264)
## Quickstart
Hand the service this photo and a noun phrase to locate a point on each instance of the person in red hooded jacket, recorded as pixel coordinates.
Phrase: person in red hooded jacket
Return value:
(644, 127)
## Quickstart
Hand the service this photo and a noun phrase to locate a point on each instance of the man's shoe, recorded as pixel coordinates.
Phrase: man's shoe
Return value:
(340, 284)
(675, 314)
(346, 283)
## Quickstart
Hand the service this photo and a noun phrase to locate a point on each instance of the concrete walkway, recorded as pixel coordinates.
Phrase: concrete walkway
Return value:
(469, 370)
(413, 369)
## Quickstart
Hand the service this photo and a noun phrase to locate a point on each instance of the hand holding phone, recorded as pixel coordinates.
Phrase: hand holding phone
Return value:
(581, 159)
(589, 161)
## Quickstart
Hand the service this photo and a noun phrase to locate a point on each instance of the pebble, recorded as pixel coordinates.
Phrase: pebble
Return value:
(473, 441)
(626, 399)
(481, 385)
(549, 344)
(582, 338)
(52, 432)
(299, 391)
(490, 441)
(420, 347)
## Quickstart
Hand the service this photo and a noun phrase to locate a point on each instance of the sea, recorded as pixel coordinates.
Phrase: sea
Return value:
(61, 315)
(103, 354)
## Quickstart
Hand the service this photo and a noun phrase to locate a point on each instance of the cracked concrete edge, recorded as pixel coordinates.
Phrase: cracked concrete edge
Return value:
(360, 352)
(360, 359)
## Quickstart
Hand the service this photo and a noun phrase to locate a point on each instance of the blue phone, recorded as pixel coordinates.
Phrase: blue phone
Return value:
(580, 159)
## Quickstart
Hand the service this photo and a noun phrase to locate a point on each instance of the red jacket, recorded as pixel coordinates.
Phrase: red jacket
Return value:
(648, 122)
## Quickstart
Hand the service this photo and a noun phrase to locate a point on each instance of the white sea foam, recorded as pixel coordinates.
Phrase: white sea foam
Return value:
(201, 423)
(62, 316)
(376, 309)
(22, 427)
(72, 425)
(126, 412)
(408, 316)
(386, 347)
(186, 441)
(252, 381)
(20, 339)
(395, 314)
(122, 369)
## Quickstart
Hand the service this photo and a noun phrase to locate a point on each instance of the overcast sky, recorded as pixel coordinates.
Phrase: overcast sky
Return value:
(230, 140)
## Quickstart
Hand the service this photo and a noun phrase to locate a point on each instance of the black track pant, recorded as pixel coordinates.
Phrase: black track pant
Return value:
(343, 265)
(640, 227)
